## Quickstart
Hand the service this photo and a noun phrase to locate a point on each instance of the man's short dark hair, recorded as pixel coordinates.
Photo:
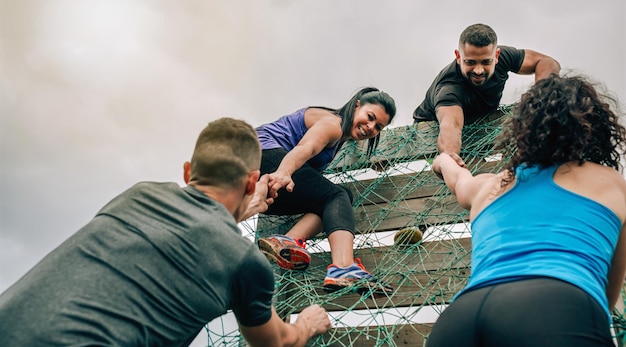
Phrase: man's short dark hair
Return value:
(226, 150)
(479, 35)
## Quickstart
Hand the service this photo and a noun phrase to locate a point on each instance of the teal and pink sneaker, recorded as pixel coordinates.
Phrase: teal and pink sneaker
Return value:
(286, 252)
(338, 278)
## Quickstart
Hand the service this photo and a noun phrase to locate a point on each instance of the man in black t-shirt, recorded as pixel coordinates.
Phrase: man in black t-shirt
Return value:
(472, 85)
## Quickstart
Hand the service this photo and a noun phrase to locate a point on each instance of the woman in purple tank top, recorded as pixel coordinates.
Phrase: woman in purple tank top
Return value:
(549, 232)
(296, 149)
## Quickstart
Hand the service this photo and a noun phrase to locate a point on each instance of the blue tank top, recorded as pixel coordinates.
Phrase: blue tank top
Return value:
(286, 132)
(541, 229)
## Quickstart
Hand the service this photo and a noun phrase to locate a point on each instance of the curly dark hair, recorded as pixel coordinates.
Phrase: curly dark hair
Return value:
(562, 119)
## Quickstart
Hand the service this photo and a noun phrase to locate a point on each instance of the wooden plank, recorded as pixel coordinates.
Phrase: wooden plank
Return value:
(430, 203)
(412, 212)
(436, 270)
(420, 212)
(415, 142)
(376, 205)
(405, 143)
(436, 287)
(411, 142)
(425, 205)
(386, 188)
(393, 202)
(416, 290)
(390, 335)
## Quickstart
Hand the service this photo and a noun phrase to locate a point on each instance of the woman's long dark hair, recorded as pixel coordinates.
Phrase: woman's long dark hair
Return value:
(562, 119)
(367, 95)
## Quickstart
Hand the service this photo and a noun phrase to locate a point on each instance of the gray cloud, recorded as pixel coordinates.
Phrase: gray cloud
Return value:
(97, 95)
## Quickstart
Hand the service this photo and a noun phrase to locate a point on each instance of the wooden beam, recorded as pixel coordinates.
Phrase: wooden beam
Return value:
(389, 335)
(411, 185)
(411, 212)
(426, 274)
(415, 142)
(405, 143)
(417, 212)
(386, 188)
(414, 290)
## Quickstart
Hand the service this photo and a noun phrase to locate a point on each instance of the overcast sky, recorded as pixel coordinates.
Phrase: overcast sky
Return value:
(96, 95)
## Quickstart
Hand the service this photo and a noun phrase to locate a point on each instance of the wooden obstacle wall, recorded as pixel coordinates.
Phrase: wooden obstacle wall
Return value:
(431, 262)
(434, 273)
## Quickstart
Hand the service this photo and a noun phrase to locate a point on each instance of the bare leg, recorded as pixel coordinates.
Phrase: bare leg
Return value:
(306, 228)
(342, 253)
(341, 241)
(341, 248)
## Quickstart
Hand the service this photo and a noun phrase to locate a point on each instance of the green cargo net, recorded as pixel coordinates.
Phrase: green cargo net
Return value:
(393, 189)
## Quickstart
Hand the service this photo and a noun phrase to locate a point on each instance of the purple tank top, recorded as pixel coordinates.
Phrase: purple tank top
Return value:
(286, 132)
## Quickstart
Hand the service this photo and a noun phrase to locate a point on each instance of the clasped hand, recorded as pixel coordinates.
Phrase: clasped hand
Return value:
(278, 180)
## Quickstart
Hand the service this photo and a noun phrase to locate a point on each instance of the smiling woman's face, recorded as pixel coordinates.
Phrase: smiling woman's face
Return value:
(369, 120)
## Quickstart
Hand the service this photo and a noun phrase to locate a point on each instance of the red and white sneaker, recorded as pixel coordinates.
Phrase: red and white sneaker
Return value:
(286, 252)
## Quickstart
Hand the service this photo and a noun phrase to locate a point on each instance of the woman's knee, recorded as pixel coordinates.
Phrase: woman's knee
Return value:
(348, 192)
(338, 213)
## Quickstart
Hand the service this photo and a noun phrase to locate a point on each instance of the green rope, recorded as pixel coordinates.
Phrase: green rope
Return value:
(362, 321)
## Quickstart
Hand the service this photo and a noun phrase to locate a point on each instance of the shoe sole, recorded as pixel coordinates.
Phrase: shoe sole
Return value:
(285, 257)
(361, 288)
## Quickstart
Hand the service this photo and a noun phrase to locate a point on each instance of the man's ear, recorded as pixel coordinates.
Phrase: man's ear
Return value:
(253, 178)
(457, 56)
(186, 171)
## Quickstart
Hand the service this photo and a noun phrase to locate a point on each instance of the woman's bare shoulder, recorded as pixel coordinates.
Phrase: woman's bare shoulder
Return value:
(314, 115)
(598, 182)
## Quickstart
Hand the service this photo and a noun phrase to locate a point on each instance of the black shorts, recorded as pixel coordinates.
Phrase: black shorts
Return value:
(313, 193)
(537, 312)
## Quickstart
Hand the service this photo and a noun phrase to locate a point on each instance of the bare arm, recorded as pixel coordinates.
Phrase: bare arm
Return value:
(450, 129)
(454, 176)
(617, 273)
(539, 64)
(472, 192)
(325, 131)
(260, 201)
(311, 322)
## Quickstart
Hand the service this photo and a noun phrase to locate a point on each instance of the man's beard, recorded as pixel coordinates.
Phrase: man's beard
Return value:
(482, 78)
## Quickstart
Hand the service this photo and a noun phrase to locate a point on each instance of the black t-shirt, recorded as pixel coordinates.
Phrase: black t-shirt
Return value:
(452, 88)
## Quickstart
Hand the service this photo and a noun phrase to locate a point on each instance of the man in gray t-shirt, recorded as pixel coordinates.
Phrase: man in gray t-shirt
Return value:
(159, 262)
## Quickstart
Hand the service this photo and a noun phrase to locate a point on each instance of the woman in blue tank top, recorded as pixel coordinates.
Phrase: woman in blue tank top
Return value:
(549, 232)
(296, 149)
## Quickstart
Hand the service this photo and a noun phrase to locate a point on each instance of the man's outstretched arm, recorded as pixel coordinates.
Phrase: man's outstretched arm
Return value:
(539, 64)
(260, 201)
(450, 129)
(312, 321)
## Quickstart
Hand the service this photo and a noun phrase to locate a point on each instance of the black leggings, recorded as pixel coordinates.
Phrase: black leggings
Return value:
(537, 312)
(313, 193)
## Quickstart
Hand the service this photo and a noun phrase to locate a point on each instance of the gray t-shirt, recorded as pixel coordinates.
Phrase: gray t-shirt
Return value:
(151, 269)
